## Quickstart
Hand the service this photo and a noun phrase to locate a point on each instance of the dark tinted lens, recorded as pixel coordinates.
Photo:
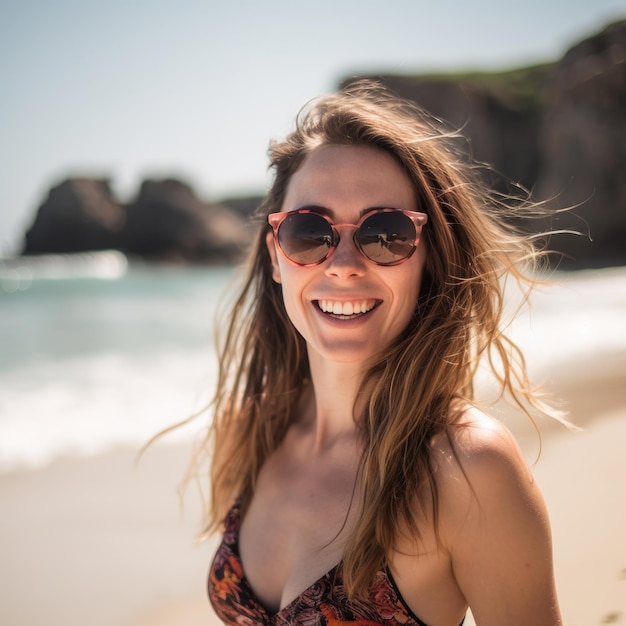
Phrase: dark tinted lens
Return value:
(387, 237)
(305, 237)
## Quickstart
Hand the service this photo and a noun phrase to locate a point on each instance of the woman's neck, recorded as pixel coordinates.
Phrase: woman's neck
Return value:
(330, 408)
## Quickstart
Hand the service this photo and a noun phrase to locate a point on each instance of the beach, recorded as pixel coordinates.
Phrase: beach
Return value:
(92, 368)
(104, 541)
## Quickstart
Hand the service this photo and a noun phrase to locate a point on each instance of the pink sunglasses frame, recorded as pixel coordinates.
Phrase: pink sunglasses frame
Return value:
(276, 219)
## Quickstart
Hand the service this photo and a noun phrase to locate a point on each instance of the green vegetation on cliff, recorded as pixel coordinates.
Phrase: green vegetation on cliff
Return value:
(522, 85)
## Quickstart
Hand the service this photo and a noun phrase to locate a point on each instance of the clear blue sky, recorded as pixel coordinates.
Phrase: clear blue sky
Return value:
(196, 89)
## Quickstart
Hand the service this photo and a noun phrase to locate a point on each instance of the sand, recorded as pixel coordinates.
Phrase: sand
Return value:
(102, 541)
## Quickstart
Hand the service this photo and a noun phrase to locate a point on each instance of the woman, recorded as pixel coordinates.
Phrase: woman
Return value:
(357, 479)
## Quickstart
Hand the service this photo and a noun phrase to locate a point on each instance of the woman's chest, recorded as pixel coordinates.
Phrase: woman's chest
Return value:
(294, 530)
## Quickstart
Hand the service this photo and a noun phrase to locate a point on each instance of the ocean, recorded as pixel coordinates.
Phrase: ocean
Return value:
(96, 352)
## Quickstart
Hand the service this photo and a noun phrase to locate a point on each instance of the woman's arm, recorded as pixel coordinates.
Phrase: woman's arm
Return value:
(495, 525)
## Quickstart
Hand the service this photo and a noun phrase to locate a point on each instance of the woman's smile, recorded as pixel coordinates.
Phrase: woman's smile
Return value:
(346, 310)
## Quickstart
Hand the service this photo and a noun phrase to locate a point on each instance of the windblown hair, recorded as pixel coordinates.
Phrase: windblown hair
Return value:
(427, 371)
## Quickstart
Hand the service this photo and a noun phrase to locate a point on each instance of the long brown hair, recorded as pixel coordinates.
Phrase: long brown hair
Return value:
(427, 370)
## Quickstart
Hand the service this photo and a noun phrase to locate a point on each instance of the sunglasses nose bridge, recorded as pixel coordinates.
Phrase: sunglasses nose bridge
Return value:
(346, 228)
(346, 250)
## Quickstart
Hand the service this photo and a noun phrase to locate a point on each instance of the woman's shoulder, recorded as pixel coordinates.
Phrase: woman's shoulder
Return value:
(493, 522)
(475, 444)
(485, 485)
(480, 470)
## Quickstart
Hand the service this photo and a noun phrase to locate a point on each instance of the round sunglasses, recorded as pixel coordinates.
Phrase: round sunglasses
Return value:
(307, 237)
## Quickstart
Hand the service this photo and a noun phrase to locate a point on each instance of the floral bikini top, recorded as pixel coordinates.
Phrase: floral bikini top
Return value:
(324, 603)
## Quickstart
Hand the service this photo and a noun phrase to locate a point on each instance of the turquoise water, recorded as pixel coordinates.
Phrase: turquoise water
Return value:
(95, 353)
(145, 310)
(90, 362)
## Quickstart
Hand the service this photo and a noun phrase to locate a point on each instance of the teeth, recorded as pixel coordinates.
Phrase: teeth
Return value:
(346, 308)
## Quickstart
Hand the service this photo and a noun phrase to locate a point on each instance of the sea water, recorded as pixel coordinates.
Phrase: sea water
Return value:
(96, 352)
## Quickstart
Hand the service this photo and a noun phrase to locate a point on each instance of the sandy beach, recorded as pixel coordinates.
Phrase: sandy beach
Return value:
(103, 541)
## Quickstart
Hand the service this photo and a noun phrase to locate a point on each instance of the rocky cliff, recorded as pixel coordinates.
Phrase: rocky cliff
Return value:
(557, 129)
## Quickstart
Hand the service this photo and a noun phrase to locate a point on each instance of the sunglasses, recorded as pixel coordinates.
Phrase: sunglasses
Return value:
(385, 236)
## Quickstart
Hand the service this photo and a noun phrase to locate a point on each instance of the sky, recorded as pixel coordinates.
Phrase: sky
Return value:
(196, 89)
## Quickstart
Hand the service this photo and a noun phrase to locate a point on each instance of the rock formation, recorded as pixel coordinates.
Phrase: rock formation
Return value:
(557, 129)
(79, 214)
(167, 222)
(583, 145)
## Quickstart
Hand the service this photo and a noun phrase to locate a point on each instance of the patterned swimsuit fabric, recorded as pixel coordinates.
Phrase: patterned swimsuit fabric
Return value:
(324, 603)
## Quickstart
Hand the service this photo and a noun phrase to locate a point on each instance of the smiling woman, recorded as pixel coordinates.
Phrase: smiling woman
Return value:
(353, 474)
(347, 182)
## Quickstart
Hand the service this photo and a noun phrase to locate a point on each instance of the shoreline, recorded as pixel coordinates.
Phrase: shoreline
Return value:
(102, 540)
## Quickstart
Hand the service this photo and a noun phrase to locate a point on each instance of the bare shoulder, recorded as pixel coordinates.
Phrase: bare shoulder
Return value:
(483, 477)
(481, 450)
(493, 523)
(476, 434)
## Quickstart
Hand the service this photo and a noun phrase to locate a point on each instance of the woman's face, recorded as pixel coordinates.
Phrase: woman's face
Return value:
(348, 308)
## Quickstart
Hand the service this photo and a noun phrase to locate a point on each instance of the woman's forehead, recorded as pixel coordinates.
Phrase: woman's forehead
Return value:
(360, 177)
